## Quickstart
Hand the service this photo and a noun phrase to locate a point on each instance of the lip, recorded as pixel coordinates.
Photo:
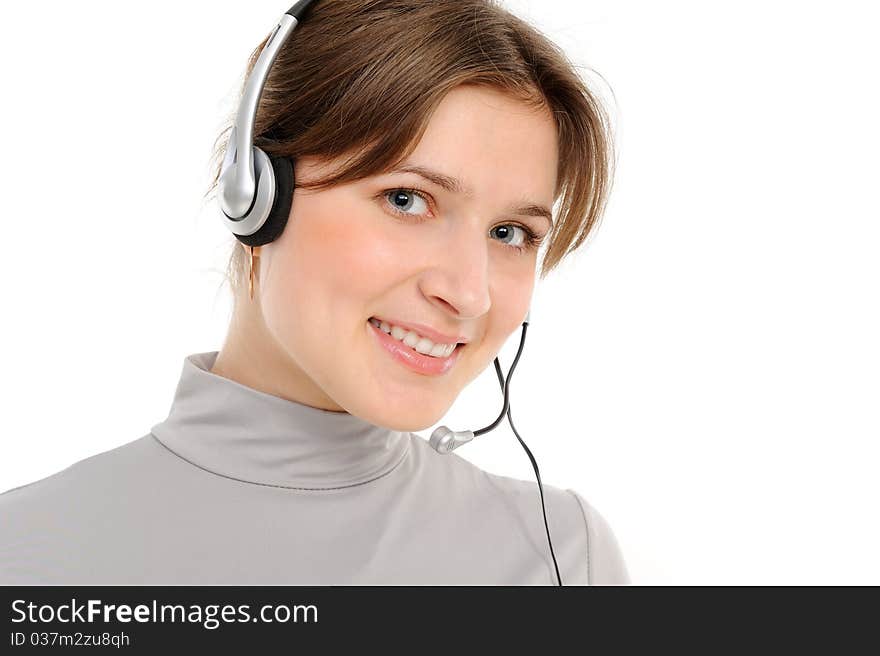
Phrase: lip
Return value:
(412, 359)
(424, 331)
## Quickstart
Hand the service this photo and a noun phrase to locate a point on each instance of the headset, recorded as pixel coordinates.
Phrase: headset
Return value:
(255, 192)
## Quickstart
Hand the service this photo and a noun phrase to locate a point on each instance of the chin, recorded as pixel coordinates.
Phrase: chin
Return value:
(408, 417)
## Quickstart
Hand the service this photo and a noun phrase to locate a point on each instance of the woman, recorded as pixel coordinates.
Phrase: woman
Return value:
(428, 143)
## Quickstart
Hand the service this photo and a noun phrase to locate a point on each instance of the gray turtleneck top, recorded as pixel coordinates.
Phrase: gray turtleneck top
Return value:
(241, 487)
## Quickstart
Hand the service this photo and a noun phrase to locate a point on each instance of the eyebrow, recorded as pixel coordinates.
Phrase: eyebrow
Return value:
(454, 185)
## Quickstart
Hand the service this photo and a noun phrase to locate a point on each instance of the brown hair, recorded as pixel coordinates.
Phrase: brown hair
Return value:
(364, 76)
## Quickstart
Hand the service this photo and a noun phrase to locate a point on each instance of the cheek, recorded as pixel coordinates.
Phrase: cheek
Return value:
(330, 264)
(504, 324)
(342, 254)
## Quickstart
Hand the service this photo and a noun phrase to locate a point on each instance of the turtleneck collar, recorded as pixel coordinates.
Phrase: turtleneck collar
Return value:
(236, 431)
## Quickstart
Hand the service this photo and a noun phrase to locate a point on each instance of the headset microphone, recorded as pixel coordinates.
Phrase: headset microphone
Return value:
(445, 440)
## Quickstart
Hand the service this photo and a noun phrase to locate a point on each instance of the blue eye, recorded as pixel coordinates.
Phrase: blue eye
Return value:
(505, 231)
(401, 200)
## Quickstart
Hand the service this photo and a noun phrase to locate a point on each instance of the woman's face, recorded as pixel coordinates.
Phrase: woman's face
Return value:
(459, 262)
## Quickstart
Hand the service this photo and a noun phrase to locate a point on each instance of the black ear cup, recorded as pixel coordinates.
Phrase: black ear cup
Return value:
(277, 219)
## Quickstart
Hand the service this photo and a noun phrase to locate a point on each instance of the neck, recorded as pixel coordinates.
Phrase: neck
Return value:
(252, 357)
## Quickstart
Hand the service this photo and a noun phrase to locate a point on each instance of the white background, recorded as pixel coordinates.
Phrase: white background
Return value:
(705, 372)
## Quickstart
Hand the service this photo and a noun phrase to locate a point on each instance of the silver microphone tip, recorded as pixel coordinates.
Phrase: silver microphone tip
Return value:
(444, 440)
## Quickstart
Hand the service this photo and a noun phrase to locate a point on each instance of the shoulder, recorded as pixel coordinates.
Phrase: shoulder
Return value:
(585, 547)
(45, 523)
(606, 564)
(91, 475)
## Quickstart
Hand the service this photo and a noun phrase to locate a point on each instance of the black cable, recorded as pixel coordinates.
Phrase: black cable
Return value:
(505, 387)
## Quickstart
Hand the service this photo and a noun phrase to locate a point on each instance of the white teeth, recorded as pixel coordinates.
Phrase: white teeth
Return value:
(424, 346)
(421, 344)
(439, 350)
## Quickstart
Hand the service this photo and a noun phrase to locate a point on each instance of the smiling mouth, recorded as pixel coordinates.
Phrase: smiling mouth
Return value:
(420, 363)
(376, 323)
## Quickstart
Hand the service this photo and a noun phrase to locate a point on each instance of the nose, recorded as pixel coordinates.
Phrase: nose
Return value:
(458, 278)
